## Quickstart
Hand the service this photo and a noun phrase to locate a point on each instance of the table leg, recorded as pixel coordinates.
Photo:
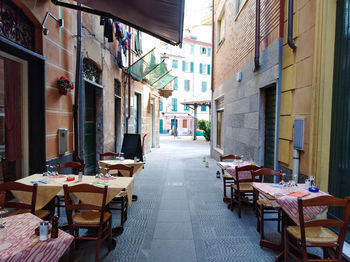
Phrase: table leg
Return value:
(118, 230)
(280, 256)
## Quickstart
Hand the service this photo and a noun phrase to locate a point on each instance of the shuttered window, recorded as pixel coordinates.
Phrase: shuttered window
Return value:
(174, 104)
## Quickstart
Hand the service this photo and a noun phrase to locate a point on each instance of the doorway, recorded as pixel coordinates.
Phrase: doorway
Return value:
(137, 113)
(90, 129)
(161, 128)
(117, 115)
(14, 144)
(153, 124)
(270, 126)
(339, 179)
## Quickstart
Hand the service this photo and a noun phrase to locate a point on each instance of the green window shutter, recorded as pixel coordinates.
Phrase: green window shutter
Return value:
(208, 69)
(200, 50)
(183, 66)
(203, 108)
(209, 51)
(192, 65)
(175, 84)
(175, 63)
(174, 104)
(200, 68)
(187, 85)
(192, 49)
(160, 106)
(204, 86)
(186, 108)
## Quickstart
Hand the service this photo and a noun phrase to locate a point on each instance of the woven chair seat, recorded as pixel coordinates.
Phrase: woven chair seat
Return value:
(319, 235)
(89, 218)
(39, 213)
(243, 187)
(264, 202)
(227, 176)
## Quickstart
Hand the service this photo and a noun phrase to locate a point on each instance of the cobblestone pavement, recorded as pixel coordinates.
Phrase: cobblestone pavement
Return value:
(180, 216)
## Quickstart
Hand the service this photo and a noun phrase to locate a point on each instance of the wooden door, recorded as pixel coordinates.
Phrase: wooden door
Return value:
(90, 129)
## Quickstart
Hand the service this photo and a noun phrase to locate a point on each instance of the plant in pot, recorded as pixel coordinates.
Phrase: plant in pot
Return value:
(64, 85)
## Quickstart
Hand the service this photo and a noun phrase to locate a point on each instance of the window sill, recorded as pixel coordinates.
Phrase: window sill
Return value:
(220, 44)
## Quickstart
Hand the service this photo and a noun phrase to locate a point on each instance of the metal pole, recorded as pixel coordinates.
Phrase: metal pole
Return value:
(77, 88)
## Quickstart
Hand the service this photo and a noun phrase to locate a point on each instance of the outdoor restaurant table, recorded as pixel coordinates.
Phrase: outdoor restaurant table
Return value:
(54, 186)
(18, 241)
(230, 167)
(129, 162)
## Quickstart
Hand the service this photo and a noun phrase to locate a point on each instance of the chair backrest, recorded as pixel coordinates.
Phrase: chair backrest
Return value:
(229, 157)
(326, 201)
(78, 166)
(248, 168)
(84, 188)
(108, 154)
(121, 167)
(260, 173)
(15, 186)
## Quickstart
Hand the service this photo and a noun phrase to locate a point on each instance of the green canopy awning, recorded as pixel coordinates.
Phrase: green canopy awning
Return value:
(143, 66)
(164, 81)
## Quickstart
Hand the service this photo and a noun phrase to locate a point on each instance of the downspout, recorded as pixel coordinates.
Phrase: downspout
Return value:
(257, 36)
(290, 25)
(77, 88)
(212, 81)
(279, 83)
(129, 91)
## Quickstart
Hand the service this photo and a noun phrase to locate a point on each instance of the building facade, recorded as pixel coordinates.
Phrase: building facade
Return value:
(290, 113)
(191, 64)
(37, 58)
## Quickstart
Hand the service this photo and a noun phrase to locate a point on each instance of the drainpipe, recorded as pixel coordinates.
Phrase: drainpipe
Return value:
(129, 92)
(212, 81)
(77, 87)
(296, 160)
(279, 83)
(290, 25)
(257, 36)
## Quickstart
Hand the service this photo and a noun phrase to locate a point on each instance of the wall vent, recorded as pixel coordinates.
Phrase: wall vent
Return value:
(298, 135)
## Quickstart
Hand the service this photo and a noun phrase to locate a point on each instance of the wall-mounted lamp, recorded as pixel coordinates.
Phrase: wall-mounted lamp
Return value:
(59, 21)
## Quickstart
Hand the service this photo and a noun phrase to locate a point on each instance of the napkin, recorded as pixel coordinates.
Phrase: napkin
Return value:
(298, 194)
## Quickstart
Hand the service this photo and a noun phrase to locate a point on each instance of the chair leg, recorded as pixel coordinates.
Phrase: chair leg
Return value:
(257, 220)
(279, 217)
(262, 221)
(224, 182)
(239, 204)
(71, 251)
(231, 198)
(98, 245)
(110, 246)
(286, 246)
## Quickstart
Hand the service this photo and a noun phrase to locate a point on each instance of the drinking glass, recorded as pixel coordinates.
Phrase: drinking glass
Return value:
(107, 172)
(121, 156)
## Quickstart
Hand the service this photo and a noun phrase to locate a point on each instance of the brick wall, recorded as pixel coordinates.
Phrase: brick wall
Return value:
(238, 47)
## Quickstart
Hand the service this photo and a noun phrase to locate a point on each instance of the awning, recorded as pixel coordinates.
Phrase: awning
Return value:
(162, 19)
(203, 99)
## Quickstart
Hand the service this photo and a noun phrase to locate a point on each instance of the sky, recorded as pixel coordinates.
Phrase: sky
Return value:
(196, 10)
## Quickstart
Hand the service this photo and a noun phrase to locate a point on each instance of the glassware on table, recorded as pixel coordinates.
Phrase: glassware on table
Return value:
(107, 172)
(3, 211)
(121, 156)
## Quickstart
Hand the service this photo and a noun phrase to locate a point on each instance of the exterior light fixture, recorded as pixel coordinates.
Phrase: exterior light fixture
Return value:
(59, 21)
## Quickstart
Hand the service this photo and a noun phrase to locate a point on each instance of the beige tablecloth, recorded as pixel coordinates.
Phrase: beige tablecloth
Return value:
(129, 162)
(46, 192)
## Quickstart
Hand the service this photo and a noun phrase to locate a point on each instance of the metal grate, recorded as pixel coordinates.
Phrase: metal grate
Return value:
(298, 136)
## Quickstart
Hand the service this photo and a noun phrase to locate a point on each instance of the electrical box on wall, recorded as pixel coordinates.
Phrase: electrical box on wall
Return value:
(298, 134)
(239, 76)
(62, 141)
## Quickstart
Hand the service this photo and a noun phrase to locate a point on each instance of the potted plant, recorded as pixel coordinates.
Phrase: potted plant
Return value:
(64, 85)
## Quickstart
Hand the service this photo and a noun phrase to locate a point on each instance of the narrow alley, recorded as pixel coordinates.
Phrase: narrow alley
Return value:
(180, 216)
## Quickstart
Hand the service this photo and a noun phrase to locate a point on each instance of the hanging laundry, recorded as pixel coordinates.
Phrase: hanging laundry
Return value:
(108, 30)
(138, 43)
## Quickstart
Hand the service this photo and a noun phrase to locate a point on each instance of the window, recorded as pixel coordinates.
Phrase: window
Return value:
(209, 51)
(160, 106)
(221, 29)
(187, 85)
(192, 48)
(238, 6)
(203, 108)
(219, 128)
(175, 63)
(203, 50)
(184, 123)
(187, 67)
(175, 83)
(186, 108)
(204, 87)
(174, 104)
(204, 69)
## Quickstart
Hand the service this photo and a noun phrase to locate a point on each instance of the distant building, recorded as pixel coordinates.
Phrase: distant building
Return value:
(192, 65)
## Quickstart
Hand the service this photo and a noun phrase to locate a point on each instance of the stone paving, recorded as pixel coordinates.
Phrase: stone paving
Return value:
(180, 215)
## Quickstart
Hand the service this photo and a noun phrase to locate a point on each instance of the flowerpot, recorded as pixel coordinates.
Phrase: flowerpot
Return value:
(62, 90)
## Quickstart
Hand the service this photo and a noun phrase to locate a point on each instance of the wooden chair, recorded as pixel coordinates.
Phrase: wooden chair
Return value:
(316, 233)
(108, 154)
(21, 208)
(263, 206)
(227, 179)
(95, 218)
(241, 189)
(122, 198)
(77, 167)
